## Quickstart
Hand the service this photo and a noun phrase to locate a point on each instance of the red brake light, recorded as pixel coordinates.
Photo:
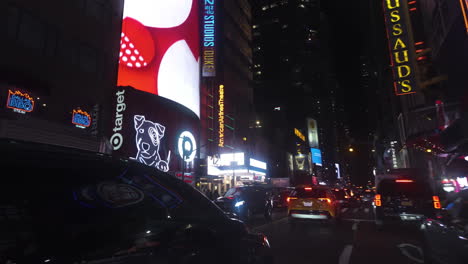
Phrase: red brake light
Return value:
(308, 188)
(230, 197)
(402, 181)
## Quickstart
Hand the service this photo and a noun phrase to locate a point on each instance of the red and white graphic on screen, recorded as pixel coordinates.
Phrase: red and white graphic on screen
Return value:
(159, 49)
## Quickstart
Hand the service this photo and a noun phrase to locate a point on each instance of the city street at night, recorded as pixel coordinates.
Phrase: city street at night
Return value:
(234, 132)
(355, 240)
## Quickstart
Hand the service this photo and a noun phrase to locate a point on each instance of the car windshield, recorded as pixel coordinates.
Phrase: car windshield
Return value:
(233, 192)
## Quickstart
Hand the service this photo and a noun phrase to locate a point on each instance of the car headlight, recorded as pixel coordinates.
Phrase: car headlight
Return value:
(239, 203)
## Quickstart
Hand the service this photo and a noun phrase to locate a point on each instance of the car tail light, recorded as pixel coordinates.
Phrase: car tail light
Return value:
(403, 181)
(290, 198)
(436, 202)
(328, 200)
(230, 197)
(378, 201)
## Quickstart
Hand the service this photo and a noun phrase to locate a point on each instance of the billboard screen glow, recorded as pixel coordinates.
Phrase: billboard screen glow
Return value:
(159, 50)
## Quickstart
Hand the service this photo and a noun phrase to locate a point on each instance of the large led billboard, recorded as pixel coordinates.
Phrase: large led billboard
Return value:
(163, 136)
(159, 49)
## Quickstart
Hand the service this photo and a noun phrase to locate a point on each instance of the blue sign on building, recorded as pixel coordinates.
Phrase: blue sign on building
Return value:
(316, 156)
(81, 118)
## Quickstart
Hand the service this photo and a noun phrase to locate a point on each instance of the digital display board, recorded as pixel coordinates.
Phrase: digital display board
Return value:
(400, 45)
(163, 136)
(312, 133)
(159, 50)
(316, 156)
(209, 44)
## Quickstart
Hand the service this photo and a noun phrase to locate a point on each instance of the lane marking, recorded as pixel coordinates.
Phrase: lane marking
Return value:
(366, 210)
(405, 252)
(346, 254)
(344, 210)
(271, 222)
(359, 220)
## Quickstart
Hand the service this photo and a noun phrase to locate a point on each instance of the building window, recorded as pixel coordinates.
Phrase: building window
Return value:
(31, 32)
(12, 22)
(88, 59)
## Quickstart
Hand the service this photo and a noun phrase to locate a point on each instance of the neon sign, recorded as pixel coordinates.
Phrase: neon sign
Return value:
(464, 8)
(401, 48)
(299, 134)
(208, 67)
(221, 116)
(81, 118)
(20, 102)
(116, 139)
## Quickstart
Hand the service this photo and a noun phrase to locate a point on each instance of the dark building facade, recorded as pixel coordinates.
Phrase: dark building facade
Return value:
(425, 129)
(294, 81)
(60, 70)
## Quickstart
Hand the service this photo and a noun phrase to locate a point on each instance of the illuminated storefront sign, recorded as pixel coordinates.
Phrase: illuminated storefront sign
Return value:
(400, 45)
(208, 50)
(258, 164)
(116, 139)
(160, 50)
(20, 102)
(312, 133)
(299, 134)
(221, 116)
(464, 8)
(81, 118)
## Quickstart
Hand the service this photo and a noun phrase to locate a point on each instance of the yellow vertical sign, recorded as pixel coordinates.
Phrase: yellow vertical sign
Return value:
(221, 116)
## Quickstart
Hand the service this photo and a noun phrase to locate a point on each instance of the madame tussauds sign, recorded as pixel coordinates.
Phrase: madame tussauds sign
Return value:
(400, 46)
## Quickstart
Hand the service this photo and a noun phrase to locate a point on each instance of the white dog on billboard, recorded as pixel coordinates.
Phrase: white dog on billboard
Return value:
(148, 139)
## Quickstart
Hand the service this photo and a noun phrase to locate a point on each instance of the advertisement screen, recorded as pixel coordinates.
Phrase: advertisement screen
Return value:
(164, 136)
(316, 156)
(312, 133)
(159, 50)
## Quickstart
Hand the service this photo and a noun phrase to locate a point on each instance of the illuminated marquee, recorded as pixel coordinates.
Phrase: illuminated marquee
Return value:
(299, 134)
(464, 8)
(81, 118)
(221, 116)
(20, 102)
(401, 48)
(208, 53)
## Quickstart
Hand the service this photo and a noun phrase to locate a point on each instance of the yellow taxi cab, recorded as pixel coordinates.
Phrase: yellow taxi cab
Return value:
(312, 202)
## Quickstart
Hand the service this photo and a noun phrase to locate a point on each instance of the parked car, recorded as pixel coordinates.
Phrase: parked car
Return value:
(280, 196)
(247, 201)
(446, 237)
(61, 205)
